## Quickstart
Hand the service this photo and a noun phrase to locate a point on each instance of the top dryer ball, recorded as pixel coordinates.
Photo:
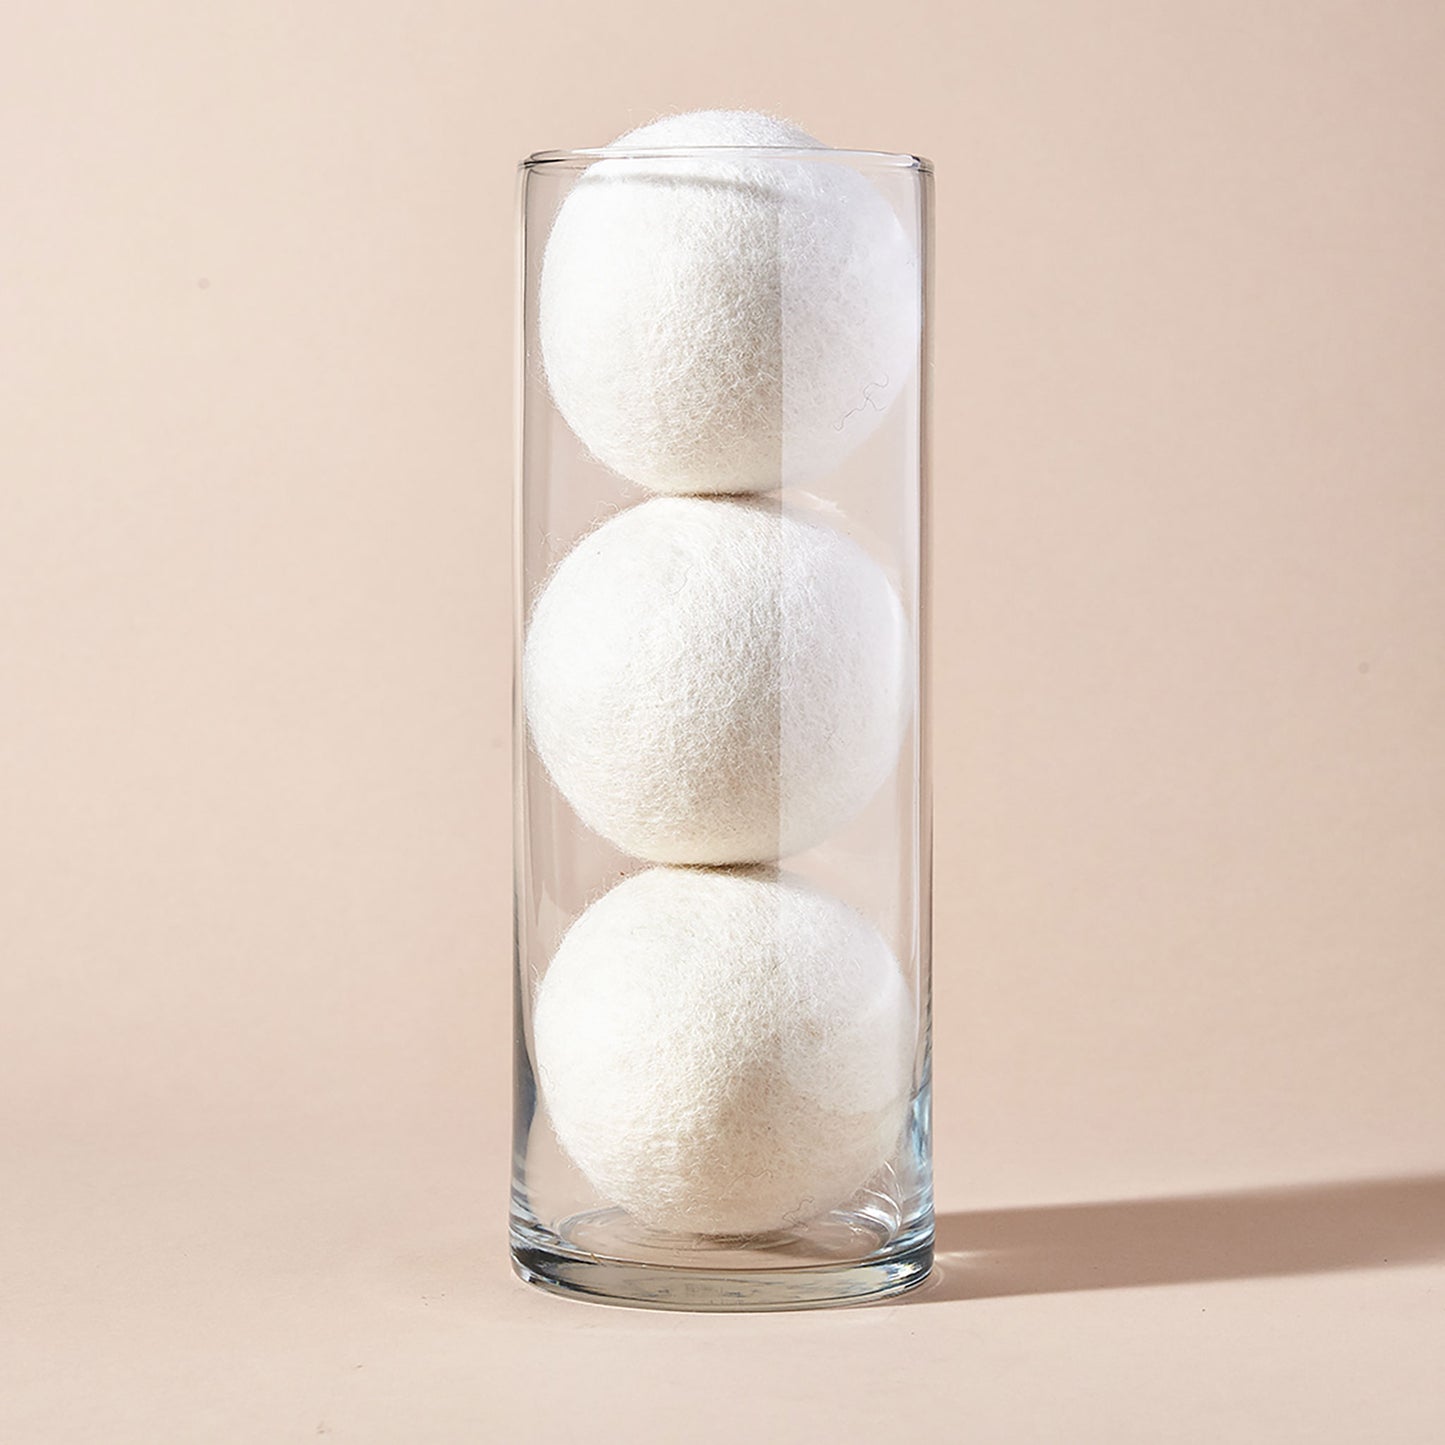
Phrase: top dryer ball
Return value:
(724, 323)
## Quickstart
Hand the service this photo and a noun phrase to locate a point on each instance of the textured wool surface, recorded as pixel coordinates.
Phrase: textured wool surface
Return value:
(724, 1053)
(726, 323)
(717, 680)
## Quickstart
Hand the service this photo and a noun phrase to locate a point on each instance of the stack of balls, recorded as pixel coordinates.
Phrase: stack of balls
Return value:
(716, 680)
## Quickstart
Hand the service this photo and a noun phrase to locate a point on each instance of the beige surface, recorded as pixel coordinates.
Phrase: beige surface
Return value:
(255, 412)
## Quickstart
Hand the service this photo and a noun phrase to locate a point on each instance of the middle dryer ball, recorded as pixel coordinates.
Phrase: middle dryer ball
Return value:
(714, 681)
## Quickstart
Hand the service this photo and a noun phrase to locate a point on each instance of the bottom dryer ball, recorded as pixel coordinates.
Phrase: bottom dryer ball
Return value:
(724, 1053)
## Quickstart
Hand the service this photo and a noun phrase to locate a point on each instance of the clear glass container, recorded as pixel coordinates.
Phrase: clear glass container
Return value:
(722, 993)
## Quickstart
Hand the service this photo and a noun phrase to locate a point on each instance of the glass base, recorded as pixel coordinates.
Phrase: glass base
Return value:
(846, 1257)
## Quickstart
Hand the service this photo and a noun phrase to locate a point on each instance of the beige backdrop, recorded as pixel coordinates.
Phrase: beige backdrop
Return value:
(256, 276)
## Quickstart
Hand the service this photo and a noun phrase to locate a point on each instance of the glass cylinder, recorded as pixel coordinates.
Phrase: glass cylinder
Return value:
(721, 753)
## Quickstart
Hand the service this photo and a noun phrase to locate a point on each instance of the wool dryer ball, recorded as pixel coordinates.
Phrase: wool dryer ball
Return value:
(724, 1053)
(726, 323)
(717, 680)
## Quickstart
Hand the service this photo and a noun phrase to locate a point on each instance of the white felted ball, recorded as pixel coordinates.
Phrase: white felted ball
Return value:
(725, 323)
(716, 680)
(724, 1053)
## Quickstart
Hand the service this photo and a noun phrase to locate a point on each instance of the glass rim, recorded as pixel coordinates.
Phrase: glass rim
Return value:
(590, 155)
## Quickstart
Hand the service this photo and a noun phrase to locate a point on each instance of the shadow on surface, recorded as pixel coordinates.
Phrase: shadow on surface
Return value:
(1302, 1229)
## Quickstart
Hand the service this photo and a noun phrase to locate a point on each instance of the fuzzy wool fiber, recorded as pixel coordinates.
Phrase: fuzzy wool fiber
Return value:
(726, 323)
(717, 680)
(724, 1053)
